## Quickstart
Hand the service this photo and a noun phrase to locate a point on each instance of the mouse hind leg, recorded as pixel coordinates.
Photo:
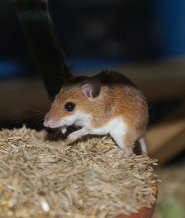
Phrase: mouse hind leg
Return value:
(124, 140)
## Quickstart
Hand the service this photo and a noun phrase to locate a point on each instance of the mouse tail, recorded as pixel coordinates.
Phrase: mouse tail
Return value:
(143, 146)
(40, 33)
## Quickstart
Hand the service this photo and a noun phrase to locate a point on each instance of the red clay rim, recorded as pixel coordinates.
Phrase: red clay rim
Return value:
(144, 212)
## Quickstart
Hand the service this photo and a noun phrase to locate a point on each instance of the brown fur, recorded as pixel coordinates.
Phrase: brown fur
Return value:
(118, 97)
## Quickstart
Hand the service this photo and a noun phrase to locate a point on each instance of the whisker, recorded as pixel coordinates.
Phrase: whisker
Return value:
(27, 110)
(33, 116)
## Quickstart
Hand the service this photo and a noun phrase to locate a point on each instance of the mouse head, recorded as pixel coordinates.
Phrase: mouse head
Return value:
(71, 105)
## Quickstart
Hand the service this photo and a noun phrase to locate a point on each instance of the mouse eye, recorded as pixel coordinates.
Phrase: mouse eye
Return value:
(69, 106)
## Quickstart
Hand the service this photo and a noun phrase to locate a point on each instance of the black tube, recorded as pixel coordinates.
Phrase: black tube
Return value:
(42, 38)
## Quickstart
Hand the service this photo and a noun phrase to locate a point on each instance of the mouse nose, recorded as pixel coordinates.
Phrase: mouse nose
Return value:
(47, 123)
(51, 122)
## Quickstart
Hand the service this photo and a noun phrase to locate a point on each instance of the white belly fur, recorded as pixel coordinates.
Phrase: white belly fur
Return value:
(117, 128)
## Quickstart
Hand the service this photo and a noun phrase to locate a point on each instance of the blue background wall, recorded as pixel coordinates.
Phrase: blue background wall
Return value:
(99, 34)
(169, 20)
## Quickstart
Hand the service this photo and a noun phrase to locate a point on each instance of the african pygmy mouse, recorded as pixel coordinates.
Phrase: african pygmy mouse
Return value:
(108, 103)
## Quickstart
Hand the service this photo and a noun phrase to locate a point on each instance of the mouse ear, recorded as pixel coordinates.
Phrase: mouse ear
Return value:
(91, 88)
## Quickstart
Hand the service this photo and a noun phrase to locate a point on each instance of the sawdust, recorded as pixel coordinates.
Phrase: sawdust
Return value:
(91, 178)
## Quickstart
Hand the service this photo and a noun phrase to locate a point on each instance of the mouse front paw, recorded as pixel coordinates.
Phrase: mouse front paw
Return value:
(71, 138)
(77, 134)
(64, 130)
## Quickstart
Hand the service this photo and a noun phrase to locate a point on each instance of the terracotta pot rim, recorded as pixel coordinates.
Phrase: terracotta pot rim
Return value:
(143, 212)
